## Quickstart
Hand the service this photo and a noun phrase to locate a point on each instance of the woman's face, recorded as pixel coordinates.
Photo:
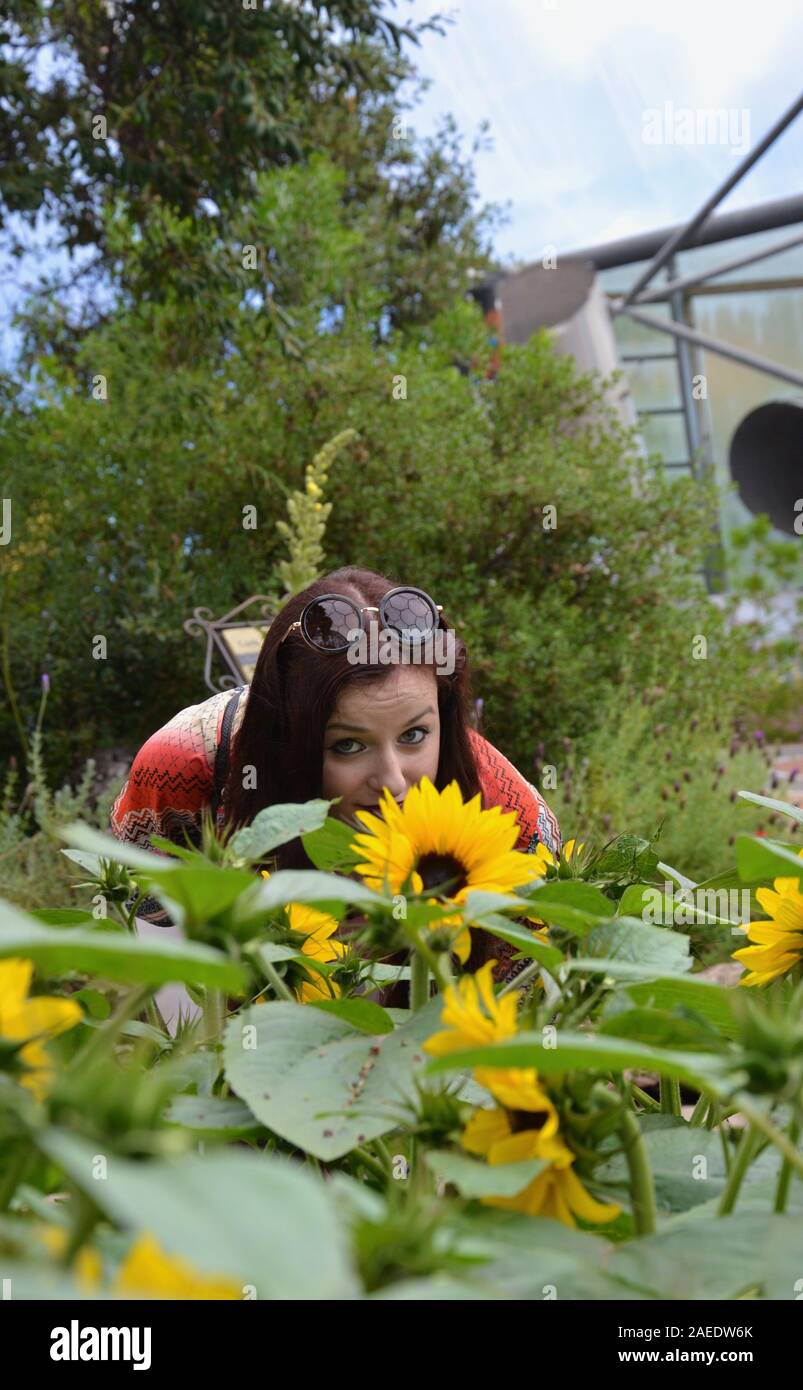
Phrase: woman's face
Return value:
(386, 734)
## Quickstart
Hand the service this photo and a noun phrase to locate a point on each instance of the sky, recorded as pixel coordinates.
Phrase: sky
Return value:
(584, 145)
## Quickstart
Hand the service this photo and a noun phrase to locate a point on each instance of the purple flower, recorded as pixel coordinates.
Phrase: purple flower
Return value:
(45, 681)
(759, 735)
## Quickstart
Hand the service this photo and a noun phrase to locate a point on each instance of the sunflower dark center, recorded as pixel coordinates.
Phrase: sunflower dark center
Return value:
(441, 871)
(526, 1119)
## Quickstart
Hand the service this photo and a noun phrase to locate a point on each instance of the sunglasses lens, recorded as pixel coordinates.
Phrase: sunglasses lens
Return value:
(412, 614)
(330, 624)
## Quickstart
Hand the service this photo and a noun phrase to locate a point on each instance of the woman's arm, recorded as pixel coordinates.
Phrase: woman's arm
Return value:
(169, 783)
(503, 785)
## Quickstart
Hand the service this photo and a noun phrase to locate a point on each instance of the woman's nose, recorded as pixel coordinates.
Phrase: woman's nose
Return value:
(388, 773)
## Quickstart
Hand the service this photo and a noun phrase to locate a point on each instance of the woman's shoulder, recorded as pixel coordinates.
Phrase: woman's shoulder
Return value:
(503, 785)
(172, 775)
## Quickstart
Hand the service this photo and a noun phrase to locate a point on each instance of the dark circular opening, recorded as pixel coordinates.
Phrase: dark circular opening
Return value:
(766, 462)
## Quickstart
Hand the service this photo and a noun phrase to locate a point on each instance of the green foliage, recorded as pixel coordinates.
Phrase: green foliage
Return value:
(196, 99)
(356, 1129)
(678, 776)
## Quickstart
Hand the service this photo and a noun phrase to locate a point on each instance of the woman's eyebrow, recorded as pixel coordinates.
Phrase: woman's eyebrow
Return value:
(358, 728)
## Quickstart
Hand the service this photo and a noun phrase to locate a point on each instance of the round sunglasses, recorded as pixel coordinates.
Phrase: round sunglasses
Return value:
(332, 623)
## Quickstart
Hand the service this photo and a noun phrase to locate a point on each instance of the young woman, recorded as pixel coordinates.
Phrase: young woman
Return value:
(315, 722)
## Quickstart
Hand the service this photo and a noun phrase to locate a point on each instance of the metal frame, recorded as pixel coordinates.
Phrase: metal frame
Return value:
(683, 235)
(677, 289)
(202, 622)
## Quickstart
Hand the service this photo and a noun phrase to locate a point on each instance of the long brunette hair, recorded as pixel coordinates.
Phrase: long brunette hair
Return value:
(293, 694)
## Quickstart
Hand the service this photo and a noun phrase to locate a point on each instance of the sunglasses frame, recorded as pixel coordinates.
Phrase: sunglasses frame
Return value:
(300, 623)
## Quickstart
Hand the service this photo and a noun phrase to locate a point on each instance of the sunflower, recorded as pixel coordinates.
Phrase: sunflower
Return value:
(317, 928)
(777, 943)
(473, 1014)
(32, 1021)
(436, 841)
(148, 1269)
(524, 1126)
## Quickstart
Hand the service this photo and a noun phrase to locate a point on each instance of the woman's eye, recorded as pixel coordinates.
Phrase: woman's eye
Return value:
(418, 730)
(337, 747)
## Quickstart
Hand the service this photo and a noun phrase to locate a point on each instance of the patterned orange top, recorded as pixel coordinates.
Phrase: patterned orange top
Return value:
(171, 780)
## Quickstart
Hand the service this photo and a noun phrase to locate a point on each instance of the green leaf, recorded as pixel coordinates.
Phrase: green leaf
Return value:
(627, 941)
(659, 1028)
(143, 960)
(212, 1117)
(259, 1219)
(89, 862)
(759, 858)
(329, 848)
(318, 1082)
(583, 1052)
(327, 892)
(713, 1002)
(584, 897)
(472, 1178)
(84, 837)
(274, 951)
(95, 1003)
(722, 1259)
(631, 903)
(193, 895)
(182, 852)
(687, 1163)
(479, 904)
(786, 808)
(64, 916)
(276, 825)
(526, 941)
(680, 879)
(360, 1013)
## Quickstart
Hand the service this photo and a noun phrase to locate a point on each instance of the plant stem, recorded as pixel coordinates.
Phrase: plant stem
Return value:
(368, 1161)
(419, 981)
(642, 1187)
(645, 1098)
(434, 959)
(272, 974)
(699, 1109)
(726, 1153)
(523, 978)
(384, 1154)
(107, 1034)
(670, 1095)
(214, 1015)
(775, 1135)
(782, 1190)
(739, 1167)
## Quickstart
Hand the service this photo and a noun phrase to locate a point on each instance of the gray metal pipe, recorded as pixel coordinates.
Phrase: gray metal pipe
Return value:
(681, 237)
(763, 217)
(686, 282)
(704, 340)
